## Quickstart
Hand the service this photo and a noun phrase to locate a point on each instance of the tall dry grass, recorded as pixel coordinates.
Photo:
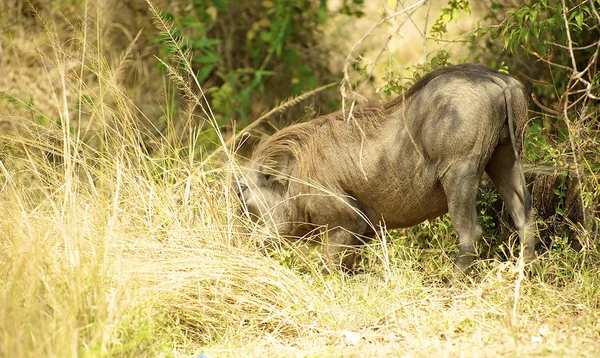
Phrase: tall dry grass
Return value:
(108, 248)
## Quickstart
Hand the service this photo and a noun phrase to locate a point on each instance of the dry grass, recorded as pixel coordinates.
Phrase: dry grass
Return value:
(109, 250)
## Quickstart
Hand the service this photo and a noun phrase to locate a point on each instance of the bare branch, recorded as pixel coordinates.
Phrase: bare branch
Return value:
(574, 48)
(546, 109)
(346, 81)
(575, 72)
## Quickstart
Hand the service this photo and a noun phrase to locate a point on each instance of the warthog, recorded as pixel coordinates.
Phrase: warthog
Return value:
(397, 164)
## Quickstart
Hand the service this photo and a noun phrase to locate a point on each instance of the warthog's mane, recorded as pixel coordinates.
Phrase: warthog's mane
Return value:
(302, 143)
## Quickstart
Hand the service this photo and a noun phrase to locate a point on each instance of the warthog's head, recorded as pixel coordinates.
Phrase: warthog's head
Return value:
(285, 179)
(264, 194)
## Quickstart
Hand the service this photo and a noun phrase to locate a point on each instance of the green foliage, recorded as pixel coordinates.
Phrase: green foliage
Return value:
(448, 14)
(533, 26)
(515, 31)
(255, 54)
(540, 30)
(539, 150)
(349, 7)
(394, 83)
(488, 197)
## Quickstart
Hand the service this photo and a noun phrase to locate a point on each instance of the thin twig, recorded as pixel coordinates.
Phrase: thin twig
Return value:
(574, 48)
(549, 110)
(425, 33)
(383, 49)
(458, 39)
(346, 80)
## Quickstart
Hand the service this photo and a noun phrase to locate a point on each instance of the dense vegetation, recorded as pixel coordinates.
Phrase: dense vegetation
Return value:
(120, 128)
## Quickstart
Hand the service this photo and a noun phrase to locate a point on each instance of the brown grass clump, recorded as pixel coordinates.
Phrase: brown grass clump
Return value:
(107, 249)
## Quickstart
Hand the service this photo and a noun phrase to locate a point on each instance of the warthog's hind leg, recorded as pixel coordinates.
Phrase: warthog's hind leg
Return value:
(505, 172)
(460, 185)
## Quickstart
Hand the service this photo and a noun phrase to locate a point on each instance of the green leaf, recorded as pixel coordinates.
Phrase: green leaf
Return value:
(542, 49)
(579, 19)
(42, 120)
(208, 58)
(532, 16)
(204, 72)
(266, 36)
(535, 129)
(200, 43)
(495, 34)
(220, 4)
(497, 6)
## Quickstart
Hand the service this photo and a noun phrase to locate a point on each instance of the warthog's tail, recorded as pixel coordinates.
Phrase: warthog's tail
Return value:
(515, 128)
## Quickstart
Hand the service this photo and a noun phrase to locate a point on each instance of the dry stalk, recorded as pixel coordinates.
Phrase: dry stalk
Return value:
(280, 108)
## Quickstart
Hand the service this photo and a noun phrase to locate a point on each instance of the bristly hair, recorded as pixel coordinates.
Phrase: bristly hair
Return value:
(302, 143)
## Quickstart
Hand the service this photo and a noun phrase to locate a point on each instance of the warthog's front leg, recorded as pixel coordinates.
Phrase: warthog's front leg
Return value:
(339, 249)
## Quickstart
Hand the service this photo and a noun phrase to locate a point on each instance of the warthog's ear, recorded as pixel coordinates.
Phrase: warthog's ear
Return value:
(279, 170)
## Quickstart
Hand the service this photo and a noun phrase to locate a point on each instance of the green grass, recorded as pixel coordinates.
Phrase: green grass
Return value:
(107, 250)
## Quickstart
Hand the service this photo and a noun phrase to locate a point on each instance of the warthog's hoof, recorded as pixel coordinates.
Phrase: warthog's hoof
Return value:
(533, 269)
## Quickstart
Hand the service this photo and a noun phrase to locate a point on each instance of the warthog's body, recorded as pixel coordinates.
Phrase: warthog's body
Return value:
(397, 164)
